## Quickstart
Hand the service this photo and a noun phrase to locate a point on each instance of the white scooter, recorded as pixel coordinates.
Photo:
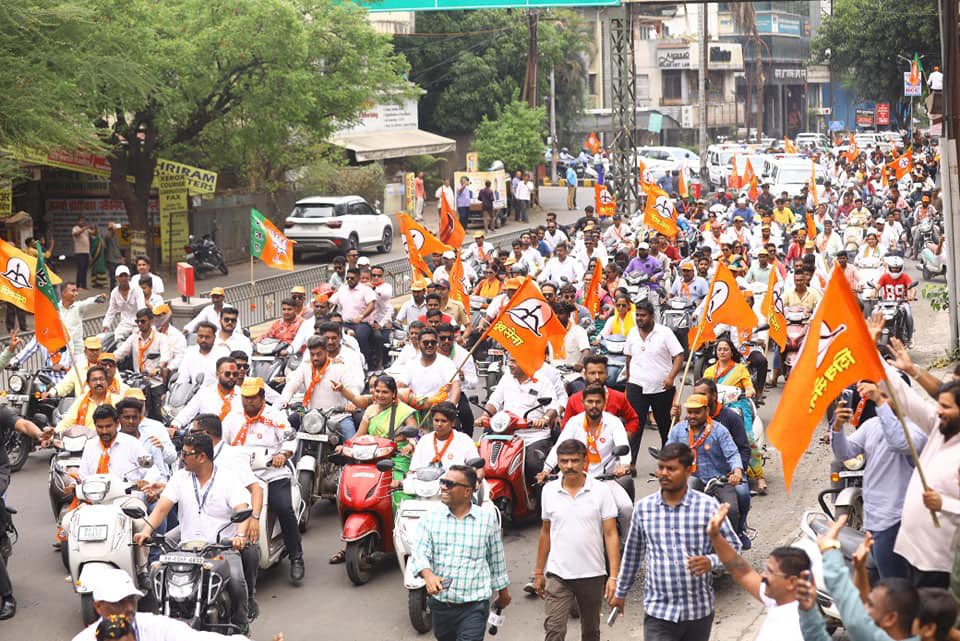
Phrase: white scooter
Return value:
(424, 484)
(100, 533)
(272, 548)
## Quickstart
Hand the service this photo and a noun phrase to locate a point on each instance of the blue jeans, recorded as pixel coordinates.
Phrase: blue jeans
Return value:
(463, 213)
(348, 429)
(743, 502)
(889, 563)
(459, 622)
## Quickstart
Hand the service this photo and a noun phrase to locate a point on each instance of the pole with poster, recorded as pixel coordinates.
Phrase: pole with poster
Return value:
(174, 226)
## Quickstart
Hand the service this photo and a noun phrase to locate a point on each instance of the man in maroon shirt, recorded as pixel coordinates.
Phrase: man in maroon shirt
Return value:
(595, 372)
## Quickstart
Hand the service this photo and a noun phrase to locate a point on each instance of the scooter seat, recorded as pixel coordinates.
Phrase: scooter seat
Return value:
(849, 538)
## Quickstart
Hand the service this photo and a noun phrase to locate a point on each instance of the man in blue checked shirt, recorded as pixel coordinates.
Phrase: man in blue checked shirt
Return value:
(668, 535)
(459, 553)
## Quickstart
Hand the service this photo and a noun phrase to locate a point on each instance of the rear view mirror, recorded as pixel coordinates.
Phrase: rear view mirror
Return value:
(134, 512)
(544, 401)
(410, 431)
(478, 462)
(385, 465)
(241, 516)
(145, 461)
(621, 450)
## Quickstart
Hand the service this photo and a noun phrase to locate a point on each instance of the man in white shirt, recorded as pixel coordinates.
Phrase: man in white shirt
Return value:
(554, 235)
(228, 336)
(263, 426)
(124, 303)
(480, 250)
(520, 394)
(210, 313)
(410, 350)
(71, 313)
(576, 343)
(442, 272)
(114, 452)
(321, 380)
(444, 446)
(151, 434)
(143, 269)
(146, 286)
(381, 321)
(202, 358)
(357, 304)
(561, 268)
(221, 400)
(775, 587)
(467, 368)
(176, 341)
(429, 375)
(415, 306)
(588, 249)
(147, 347)
(445, 191)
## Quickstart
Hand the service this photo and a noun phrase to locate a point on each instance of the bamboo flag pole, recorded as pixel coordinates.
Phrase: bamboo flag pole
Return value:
(686, 369)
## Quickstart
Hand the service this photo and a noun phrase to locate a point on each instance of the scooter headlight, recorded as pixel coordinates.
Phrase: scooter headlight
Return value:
(855, 463)
(16, 384)
(499, 422)
(94, 491)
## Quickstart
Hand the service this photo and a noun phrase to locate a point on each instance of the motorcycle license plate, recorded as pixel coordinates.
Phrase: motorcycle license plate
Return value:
(92, 533)
(181, 559)
(322, 438)
(850, 473)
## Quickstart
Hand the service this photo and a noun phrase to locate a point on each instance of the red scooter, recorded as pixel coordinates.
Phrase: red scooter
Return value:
(364, 502)
(798, 323)
(505, 455)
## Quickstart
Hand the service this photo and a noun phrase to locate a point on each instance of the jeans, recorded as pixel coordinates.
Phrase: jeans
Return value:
(660, 630)
(889, 563)
(660, 402)
(925, 579)
(111, 273)
(465, 414)
(743, 503)
(758, 360)
(560, 597)
(459, 621)
(520, 211)
(6, 587)
(463, 213)
(83, 264)
(281, 505)
(348, 429)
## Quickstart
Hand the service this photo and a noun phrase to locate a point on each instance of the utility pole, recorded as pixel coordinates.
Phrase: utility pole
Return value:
(950, 153)
(702, 88)
(553, 126)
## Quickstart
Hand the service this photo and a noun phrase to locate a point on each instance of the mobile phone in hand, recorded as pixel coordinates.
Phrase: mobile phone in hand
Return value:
(614, 615)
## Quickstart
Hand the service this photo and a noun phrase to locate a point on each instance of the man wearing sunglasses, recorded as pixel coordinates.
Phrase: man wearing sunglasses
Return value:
(221, 400)
(228, 336)
(459, 553)
(427, 376)
(147, 347)
(243, 370)
(469, 380)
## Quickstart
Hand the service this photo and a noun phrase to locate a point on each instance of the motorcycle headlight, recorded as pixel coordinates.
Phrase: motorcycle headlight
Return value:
(16, 384)
(181, 585)
(499, 422)
(855, 463)
(313, 423)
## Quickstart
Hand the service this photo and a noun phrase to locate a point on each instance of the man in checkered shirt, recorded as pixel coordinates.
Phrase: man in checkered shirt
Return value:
(668, 536)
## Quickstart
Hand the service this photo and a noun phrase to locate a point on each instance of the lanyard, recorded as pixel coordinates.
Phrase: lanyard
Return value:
(196, 490)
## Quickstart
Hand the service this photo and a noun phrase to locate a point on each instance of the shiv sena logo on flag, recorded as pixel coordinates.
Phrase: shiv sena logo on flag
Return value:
(725, 304)
(659, 212)
(525, 326)
(772, 308)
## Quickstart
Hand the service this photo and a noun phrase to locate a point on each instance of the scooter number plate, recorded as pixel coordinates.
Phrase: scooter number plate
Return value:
(92, 533)
(850, 473)
(323, 438)
(181, 559)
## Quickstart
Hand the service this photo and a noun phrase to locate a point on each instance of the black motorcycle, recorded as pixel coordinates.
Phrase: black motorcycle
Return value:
(205, 256)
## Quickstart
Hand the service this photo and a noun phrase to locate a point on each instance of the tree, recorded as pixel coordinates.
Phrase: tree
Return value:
(862, 40)
(514, 136)
(237, 83)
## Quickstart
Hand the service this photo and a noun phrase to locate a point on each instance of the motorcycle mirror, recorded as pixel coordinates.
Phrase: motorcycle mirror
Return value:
(134, 512)
(385, 465)
(190, 237)
(620, 450)
(410, 431)
(294, 419)
(145, 461)
(543, 401)
(241, 516)
(477, 462)
(654, 452)
(40, 420)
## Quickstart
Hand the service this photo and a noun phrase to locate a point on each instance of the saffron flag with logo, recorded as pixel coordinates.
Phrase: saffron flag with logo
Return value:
(724, 304)
(734, 181)
(592, 300)
(49, 330)
(603, 201)
(451, 231)
(419, 243)
(772, 309)
(592, 143)
(837, 352)
(903, 165)
(659, 212)
(916, 70)
(852, 153)
(750, 181)
(682, 182)
(813, 183)
(788, 146)
(18, 277)
(458, 290)
(525, 326)
(268, 244)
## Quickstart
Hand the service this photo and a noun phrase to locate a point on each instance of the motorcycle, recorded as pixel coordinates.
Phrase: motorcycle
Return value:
(272, 548)
(798, 324)
(190, 581)
(425, 486)
(613, 346)
(64, 473)
(23, 397)
(727, 394)
(152, 388)
(639, 287)
(100, 533)
(894, 320)
(573, 380)
(677, 315)
(846, 487)
(505, 454)
(204, 256)
(179, 393)
(268, 361)
(317, 436)
(365, 504)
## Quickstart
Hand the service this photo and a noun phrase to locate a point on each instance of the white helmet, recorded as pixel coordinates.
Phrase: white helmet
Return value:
(894, 263)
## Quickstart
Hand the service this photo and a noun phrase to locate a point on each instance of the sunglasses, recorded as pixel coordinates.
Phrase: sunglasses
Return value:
(447, 484)
(428, 343)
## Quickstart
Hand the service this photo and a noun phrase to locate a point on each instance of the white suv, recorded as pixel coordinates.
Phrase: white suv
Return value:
(338, 223)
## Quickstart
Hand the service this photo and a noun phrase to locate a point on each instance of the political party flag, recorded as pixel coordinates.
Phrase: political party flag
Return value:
(458, 290)
(750, 181)
(641, 172)
(724, 304)
(904, 164)
(811, 226)
(659, 211)
(813, 183)
(268, 244)
(603, 201)
(852, 153)
(884, 177)
(525, 326)
(18, 277)
(682, 183)
(916, 70)
(419, 243)
(451, 231)
(592, 143)
(772, 308)
(837, 352)
(592, 300)
(734, 181)
(46, 313)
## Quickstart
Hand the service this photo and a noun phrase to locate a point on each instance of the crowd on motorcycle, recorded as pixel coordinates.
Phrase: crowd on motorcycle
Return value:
(208, 446)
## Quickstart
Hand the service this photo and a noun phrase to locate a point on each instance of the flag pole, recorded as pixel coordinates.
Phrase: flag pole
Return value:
(895, 406)
(686, 369)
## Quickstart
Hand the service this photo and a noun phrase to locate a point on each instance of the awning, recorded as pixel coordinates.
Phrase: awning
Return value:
(394, 144)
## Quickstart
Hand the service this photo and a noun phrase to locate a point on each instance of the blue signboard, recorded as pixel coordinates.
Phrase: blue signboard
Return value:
(837, 125)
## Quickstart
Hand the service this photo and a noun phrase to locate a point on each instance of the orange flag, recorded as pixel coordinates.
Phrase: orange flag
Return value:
(837, 352)
(750, 180)
(18, 285)
(772, 308)
(49, 330)
(418, 243)
(592, 143)
(603, 201)
(592, 300)
(525, 325)
(724, 304)
(682, 183)
(852, 153)
(904, 164)
(788, 146)
(884, 177)
(659, 211)
(268, 244)
(641, 170)
(813, 183)
(458, 290)
(451, 231)
(811, 227)
(734, 181)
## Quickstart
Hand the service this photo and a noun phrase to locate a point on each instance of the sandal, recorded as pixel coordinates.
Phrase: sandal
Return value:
(338, 558)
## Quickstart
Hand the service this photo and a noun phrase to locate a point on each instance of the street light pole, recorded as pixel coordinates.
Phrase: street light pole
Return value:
(702, 88)
(553, 126)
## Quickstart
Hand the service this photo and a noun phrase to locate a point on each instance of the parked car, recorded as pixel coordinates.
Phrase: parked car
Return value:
(338, 224)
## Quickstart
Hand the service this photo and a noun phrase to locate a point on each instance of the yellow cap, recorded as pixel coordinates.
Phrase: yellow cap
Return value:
(251, 386)
(478, 234)
(135, 392)
(809, 245)
(161, 310)
(298, 289)
(695, 401)
(217, 291)
(108, 356)
(513, 283)
(93, 342)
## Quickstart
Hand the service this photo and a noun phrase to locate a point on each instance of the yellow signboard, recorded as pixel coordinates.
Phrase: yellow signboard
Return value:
(199, 181)
(174, 226)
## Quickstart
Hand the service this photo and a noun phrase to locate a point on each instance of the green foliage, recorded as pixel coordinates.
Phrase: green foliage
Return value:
(864, 38)
(326, 175)
(480, 63)
(938, 297)
(515, 136)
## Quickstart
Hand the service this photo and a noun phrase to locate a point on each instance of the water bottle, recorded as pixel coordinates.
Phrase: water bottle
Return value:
(496, 620)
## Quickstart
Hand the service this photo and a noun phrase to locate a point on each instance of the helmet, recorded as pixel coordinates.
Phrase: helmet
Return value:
(496, 166)
(894, 263)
